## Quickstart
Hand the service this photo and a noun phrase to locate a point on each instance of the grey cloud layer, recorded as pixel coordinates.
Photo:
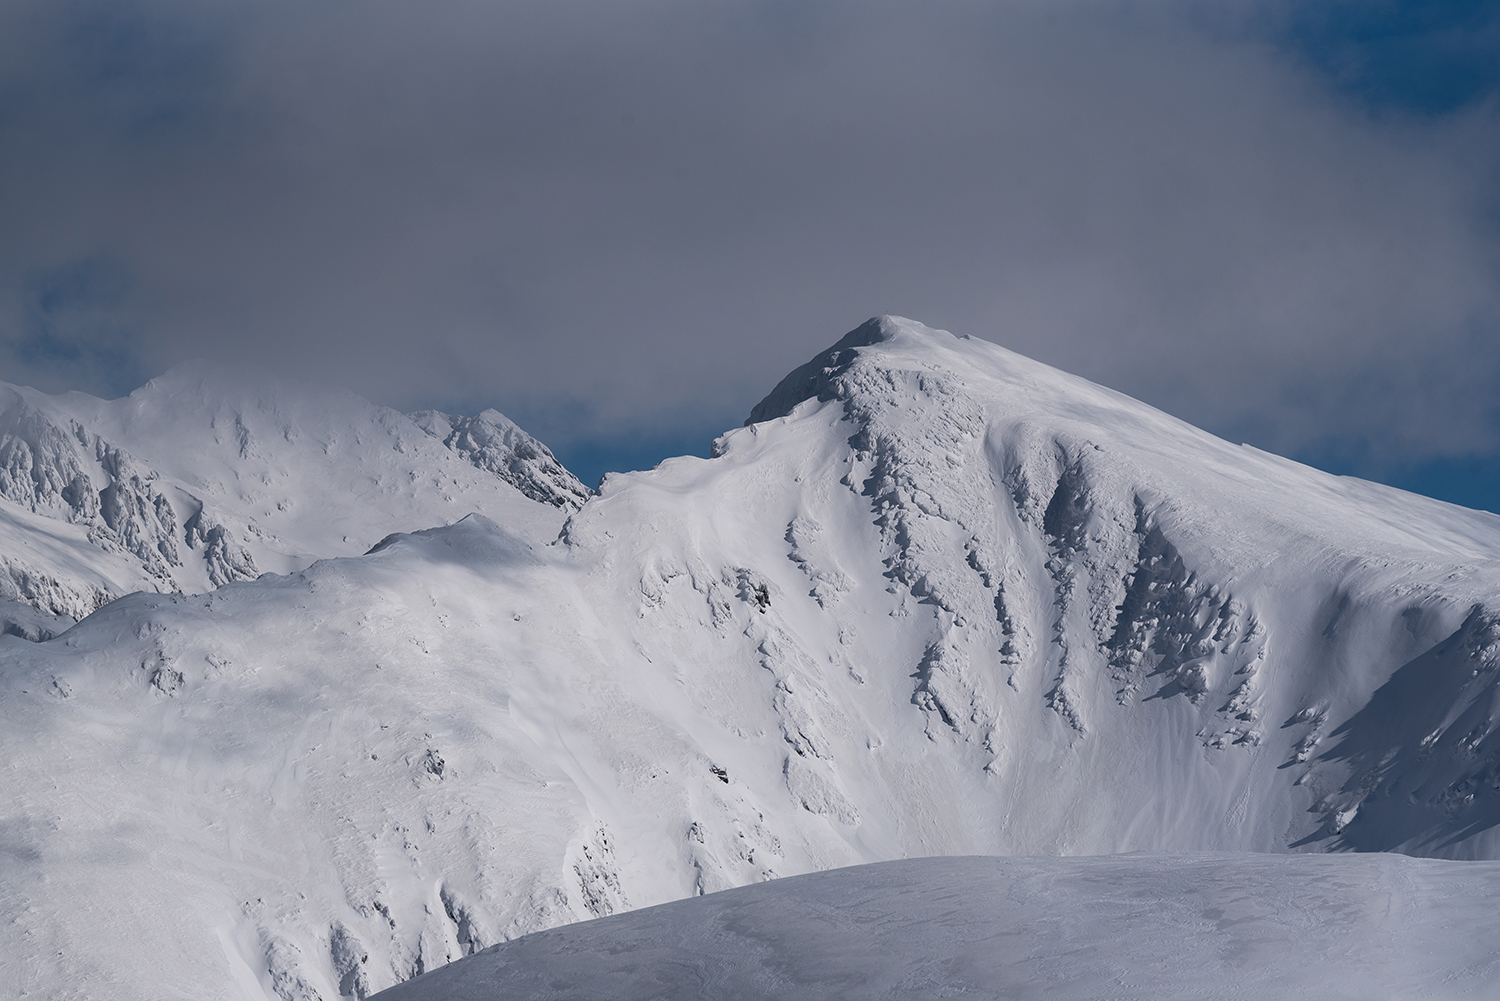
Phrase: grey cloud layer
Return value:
(610, 216)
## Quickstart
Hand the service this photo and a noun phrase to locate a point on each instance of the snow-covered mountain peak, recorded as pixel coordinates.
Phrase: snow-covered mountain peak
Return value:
(814, 379)
(936, 599)
(1035, 533)
(902, 382)
(209, 474)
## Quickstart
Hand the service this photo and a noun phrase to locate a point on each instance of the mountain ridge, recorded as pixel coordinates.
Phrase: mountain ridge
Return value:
(200, 478)
(949, 602)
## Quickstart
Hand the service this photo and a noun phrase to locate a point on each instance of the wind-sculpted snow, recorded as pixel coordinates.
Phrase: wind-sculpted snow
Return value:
(49, 469)
(199, 479)
(56, 570)
(492, 442)
(1131, 928)
(937, 600)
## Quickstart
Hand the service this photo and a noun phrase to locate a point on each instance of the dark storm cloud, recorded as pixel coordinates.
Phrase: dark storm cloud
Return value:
(621, 218)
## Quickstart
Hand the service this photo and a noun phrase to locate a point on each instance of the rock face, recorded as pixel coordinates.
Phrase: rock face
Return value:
(936, 599)
(492, 442)
(201, 478)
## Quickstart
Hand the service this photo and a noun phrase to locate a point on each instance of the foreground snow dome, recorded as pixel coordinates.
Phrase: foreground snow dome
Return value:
(934, 599)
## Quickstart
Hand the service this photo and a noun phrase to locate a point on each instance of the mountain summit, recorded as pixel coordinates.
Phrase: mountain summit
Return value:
(935, 599)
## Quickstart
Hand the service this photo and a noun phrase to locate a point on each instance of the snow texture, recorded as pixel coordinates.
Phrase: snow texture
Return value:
(198, 479)
(1128, 928)
(936, 599)
(493, 443)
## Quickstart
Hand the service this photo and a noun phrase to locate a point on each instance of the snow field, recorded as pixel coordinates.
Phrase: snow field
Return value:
(1128, 928)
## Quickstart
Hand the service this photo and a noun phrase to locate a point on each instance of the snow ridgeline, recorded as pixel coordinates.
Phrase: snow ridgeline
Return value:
(937, 599)
(1132, 928)
(195, 481)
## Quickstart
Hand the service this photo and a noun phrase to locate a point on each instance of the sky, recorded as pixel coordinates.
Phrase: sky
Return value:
(622, 222)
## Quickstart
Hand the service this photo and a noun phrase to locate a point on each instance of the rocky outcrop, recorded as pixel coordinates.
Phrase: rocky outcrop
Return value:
(60, 469)
(225, 558)
(492, 442)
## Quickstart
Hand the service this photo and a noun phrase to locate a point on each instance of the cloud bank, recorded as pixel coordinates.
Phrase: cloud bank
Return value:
(630, 219)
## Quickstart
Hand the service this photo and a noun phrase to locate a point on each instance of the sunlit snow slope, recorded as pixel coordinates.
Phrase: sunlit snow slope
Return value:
(938, 599)
(205, 476)
(1123, 927)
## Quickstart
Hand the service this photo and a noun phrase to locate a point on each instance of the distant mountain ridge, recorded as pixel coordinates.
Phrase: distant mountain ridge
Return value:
(492, 442)
(199, 479)
(936, 599)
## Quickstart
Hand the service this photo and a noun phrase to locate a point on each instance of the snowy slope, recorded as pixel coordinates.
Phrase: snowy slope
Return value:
(938, 600)
(1129, 928)
(203, 476)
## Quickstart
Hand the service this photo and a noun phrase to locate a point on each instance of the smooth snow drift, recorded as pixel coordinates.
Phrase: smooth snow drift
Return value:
(1127, 928)
(937, 600)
